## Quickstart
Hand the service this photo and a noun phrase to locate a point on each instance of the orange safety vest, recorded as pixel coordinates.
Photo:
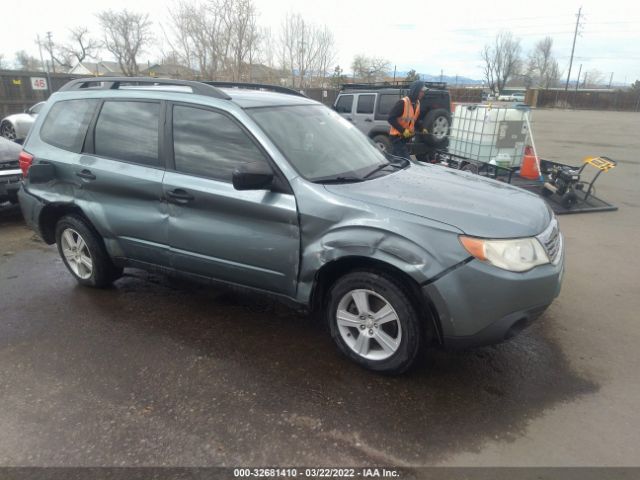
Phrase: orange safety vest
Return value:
(408, 118)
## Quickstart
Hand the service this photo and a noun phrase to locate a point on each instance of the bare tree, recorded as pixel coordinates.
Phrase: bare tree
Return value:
(80, 47)
(501, 60)
(542, 67)
(244, 37)
(219, 38)
(594, 78)
(412, 76)
(306, 50)
(326, 54)
(24, 61)
(3, 65)
(126, 34)
(370, 69)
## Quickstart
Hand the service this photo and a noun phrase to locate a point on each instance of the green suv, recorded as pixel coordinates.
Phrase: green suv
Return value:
(274, 192)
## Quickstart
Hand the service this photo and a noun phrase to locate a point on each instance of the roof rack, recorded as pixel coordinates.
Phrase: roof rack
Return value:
(256, 86)
(396, 84)
(114, 83)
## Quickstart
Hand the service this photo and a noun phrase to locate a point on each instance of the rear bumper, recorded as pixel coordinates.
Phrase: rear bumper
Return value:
(479, 304)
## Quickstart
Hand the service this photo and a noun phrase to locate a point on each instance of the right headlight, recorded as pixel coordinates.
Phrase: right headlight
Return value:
(515, 255)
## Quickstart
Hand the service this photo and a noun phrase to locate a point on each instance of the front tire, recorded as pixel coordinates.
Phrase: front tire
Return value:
(83, 253)
(373, 322)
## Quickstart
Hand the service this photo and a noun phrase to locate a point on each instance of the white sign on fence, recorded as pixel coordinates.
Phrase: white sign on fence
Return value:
(39, 83)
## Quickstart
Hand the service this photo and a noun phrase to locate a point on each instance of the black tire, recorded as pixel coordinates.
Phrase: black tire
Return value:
(7, 131)
(103, 271)
(383, 143)
(569, 199)
(438, 123)
(407, 325)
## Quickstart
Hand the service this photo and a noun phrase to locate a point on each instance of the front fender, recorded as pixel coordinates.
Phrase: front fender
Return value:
(334, 227)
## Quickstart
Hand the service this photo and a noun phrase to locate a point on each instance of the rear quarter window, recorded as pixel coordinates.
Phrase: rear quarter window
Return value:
(67, 123)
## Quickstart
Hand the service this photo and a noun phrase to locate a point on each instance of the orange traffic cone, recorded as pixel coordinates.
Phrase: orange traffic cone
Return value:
(529, 167)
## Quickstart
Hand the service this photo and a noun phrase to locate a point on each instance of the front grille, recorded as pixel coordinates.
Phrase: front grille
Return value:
(551, 239)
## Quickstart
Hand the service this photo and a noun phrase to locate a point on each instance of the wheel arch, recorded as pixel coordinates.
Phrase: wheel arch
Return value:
(52, 213)
(330, 272)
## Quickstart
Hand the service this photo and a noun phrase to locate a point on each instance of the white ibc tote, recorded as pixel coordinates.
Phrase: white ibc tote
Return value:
(490, 134)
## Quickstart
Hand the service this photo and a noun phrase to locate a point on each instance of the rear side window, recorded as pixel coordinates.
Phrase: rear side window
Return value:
(365, 103)
(67, 123)
(386, 103)
(128, 131)
(344, 104)
(210, 144)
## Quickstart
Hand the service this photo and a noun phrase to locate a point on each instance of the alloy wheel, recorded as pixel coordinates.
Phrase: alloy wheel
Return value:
(77, 254)
(368, 324)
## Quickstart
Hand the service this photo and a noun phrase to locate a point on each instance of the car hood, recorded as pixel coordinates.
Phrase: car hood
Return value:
(476, 205)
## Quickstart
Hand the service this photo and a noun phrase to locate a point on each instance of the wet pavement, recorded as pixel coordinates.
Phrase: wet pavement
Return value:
(158, 371)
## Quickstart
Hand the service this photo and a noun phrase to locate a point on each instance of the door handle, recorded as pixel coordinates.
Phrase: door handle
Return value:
(86, 175)
(368, 120)
(350, 119)
(180, 196)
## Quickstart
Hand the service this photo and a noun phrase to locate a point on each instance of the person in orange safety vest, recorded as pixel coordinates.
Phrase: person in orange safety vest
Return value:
(405, 119)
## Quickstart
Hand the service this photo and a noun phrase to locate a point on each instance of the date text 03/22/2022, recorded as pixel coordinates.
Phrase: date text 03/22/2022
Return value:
(316, 472)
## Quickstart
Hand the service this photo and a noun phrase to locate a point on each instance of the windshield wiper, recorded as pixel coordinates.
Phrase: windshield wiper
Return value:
(340, 179)
(380, 167)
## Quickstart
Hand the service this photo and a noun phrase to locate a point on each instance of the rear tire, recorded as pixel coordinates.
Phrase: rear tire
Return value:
(83, 253)
(7, 131)
(373, 322)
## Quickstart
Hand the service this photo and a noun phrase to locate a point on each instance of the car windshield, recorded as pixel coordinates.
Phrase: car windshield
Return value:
(319, 143)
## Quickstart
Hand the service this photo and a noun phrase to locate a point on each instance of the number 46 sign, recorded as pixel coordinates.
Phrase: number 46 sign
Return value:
(38, 83)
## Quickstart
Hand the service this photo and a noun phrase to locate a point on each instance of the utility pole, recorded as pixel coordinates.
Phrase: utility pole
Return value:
(610, 80)
(53, 65)
(44, 66)
(575, 35)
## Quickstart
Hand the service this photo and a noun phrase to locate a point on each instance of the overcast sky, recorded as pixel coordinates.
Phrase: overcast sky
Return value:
(410, 34)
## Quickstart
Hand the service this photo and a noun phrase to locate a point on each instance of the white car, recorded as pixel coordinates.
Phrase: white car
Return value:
(506, 97)
(16, 127)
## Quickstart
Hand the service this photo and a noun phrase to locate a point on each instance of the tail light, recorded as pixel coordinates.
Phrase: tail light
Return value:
(25, 160)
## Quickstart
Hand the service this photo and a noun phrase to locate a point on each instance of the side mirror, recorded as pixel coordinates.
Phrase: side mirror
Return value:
(253, 176)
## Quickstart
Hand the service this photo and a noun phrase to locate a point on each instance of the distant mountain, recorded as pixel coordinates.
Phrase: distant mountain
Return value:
(445, 78)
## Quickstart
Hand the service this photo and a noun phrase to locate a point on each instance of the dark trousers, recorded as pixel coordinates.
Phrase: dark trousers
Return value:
(399, 148)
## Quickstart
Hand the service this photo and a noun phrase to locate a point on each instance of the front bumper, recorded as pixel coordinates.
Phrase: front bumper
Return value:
(479, 304)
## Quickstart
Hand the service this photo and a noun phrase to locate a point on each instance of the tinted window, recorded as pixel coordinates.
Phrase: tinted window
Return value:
(67, 123)
(344, 104)
(210, 144)
(128, 131)
(365, 103)
(386, 103)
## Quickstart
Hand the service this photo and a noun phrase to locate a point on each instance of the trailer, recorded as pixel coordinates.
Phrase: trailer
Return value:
(567, 189)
